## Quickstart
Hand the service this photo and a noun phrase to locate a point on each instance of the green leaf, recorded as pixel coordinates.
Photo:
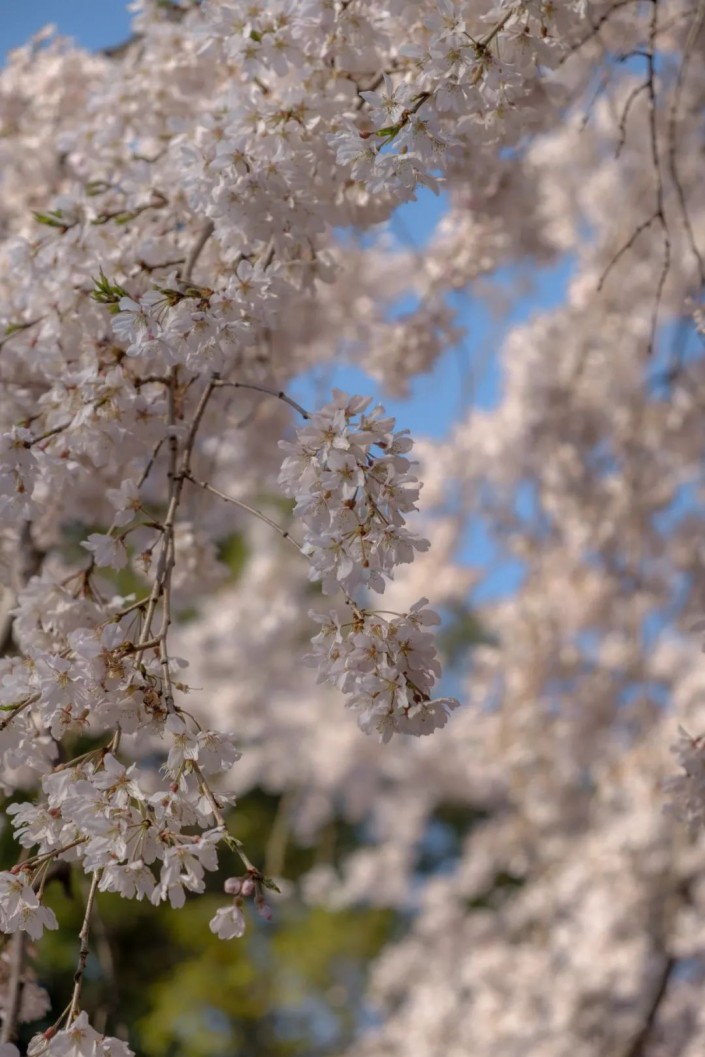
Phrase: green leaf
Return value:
(233, 552)
(52, 219)
(106, 292)
(461, 634)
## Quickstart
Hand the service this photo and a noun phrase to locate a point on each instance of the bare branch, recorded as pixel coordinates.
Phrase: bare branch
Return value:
(279, 393)
(205, 233)
(84, 948)
(249, 509)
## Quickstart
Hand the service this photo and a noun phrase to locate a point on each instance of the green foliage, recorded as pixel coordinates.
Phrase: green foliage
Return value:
(233, 552)
(293, 987)
(289, 988)
(54, 218)
(503, 886)
(445, 833)
(462, 631)
(107, 293)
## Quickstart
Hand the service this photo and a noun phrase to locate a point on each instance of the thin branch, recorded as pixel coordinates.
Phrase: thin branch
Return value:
(84, 949)
(220, 819)
(175, 488)
(150, 462)
(16, 711)
(104, 954)
(13, 1003)
(655, 155)
(278, 393)
(18, 328)
(631, 98)
(627, 246)
(249, 509)
(601, 87)
(169, 548)
(637, 1046)
(117, 51)
(596, 27)
(693, 34)
(205, 233)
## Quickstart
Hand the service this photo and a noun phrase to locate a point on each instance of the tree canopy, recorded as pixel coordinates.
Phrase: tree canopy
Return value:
(246, 809)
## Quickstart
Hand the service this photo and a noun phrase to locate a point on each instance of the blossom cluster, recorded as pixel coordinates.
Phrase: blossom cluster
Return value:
(79, 1039)
(348, 472)
(351, 480)
(388, 667)
(100, 814)
(686, 791)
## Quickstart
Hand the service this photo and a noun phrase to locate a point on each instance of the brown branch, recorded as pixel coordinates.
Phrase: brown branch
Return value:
(655, 156)
(637, 1045)
(285, 535)
(11, 1014)
(693, 34)
(596, 27)
(278, 393)
(179, 470)
(631, 98)
(117, 51)
(658, 215)
(205, 233)
(84, 949)
(627, 246)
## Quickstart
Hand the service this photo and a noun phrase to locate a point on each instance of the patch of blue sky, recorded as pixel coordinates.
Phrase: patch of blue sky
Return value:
(470, 373)
(93, 24)
(665, 618)
(677, 346)
(686, 499)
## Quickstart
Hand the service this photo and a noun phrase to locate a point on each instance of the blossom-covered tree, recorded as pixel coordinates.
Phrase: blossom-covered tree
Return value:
(189, 224)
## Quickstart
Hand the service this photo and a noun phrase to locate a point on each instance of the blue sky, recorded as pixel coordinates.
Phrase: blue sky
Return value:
(94, 23)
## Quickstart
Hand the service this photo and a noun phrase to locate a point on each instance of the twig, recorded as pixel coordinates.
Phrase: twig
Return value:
(84, 949)
(205, 233)
(220, 819)
(150, 462)
(16, 711)
(176, 482)
(18, 328)
(627, 245)
(655, 155)
(249, 509)
(487, 40)
(11, 1013)
(170, 557)
(596, 27)
(637, 1046)
(693, 34)
(104, 954)
(278, 393)
(631, 98)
